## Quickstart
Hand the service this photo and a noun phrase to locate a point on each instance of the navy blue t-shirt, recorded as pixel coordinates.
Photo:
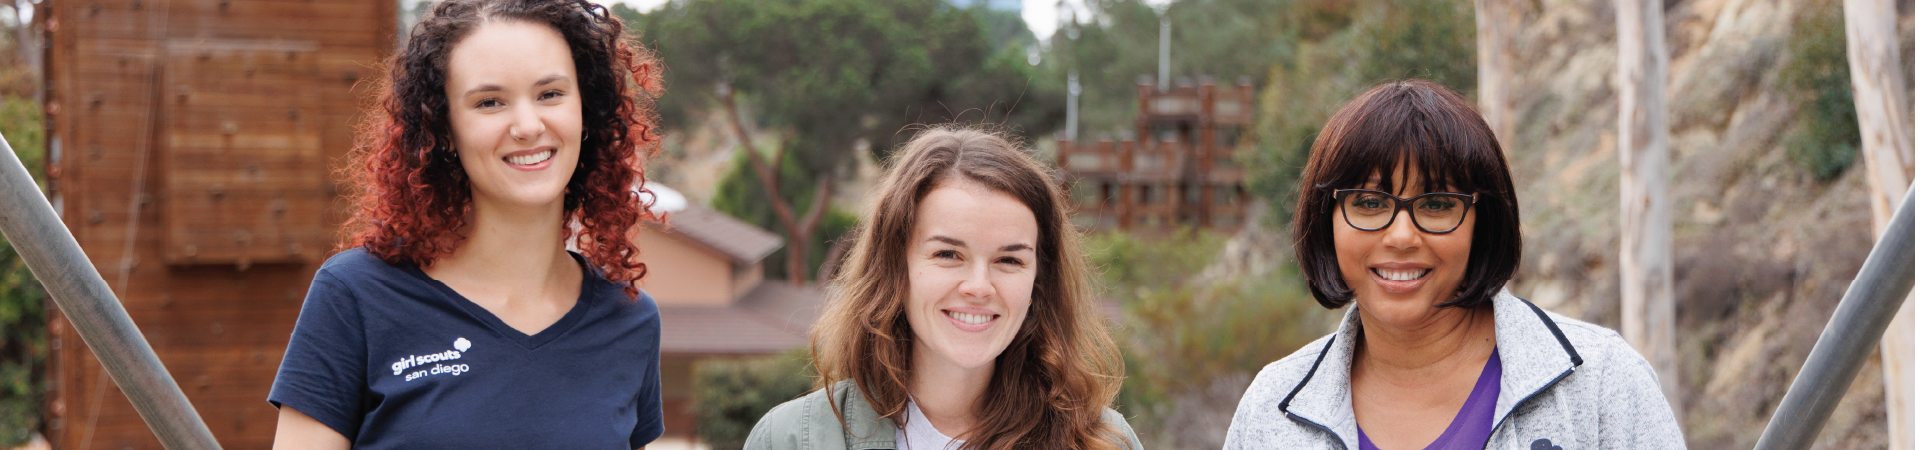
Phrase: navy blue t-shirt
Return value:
(393, 359)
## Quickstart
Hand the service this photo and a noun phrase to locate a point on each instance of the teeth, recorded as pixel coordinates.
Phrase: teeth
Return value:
(1401, 275)
(974, 319)
(535, 158)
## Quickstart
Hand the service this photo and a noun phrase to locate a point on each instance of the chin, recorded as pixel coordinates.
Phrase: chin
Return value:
(970, 358)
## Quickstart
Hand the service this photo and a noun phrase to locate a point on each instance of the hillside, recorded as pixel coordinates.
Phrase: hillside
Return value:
(1764, 247)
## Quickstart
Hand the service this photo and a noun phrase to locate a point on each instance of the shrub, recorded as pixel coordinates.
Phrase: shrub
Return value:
(1129, 263)
(730, 395)
(1826, 138)
(1184, 341)
(23, 318)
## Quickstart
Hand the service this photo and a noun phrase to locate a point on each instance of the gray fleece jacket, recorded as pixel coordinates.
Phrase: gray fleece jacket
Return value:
(1564, 385)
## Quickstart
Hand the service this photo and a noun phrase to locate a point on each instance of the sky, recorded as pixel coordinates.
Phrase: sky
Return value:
(1042, 16)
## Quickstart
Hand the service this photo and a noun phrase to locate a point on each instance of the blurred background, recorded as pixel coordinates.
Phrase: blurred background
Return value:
(189, 144)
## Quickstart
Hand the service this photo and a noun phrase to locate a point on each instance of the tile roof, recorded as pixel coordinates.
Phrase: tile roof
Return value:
(772, 318)
(744, 242)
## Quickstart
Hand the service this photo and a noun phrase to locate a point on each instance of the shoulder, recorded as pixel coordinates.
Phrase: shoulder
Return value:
(1279, 377)
(1599, 347)
(354, 264)
(1258, 422)
(787, 425)
(1618, 388)
(1118, 423)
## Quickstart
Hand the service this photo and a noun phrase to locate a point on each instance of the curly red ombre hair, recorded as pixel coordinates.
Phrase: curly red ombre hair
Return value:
(409, 193)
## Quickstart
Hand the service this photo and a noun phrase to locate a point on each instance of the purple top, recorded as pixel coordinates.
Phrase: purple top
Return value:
(1474, 424)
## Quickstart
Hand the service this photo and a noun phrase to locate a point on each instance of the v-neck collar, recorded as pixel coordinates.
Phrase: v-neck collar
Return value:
(1534, 356)
(527, 341)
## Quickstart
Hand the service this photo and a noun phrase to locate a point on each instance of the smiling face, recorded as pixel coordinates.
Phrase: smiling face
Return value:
(1399, 273)
(971, 266)
(514, 104)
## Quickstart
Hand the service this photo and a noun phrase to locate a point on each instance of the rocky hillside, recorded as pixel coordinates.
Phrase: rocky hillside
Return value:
(1764, 246)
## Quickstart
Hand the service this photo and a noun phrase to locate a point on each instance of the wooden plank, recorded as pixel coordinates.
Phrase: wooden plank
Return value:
(123, 23)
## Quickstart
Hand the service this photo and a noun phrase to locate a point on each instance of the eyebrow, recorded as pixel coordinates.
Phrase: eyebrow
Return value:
(549, 79)
(960, 243)
(483, 88)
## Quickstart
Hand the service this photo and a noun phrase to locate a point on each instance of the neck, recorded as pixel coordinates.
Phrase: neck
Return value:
(948, 395)
(511, 251)
(1450, 338)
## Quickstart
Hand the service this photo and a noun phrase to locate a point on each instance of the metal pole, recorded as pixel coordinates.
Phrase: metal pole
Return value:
(50, 251)
(1853, 332)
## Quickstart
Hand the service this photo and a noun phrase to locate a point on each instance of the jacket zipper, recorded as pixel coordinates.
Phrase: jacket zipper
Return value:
(1329, 431)
(1523, 401)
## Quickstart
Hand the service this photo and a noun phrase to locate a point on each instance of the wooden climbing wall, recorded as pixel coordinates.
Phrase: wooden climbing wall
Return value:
(192, 143)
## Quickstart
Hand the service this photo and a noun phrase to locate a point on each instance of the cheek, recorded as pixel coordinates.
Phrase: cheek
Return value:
(1017, 291)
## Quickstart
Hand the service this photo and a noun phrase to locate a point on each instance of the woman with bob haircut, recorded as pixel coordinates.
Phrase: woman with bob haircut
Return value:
(458, 318)
(1407, 212)
(963, 317)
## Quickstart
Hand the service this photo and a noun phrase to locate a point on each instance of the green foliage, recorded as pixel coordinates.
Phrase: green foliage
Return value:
(832, 73)
(739, 195)
(1826, 138)
(1223, 39)
(1131, 265)
(24, 128)
(1344, 50)
(23, 349)
(23, 339)
(730, 395)
(1183, 338)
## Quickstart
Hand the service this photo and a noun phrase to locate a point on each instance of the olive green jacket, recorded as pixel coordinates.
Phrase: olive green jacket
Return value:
(808, 423)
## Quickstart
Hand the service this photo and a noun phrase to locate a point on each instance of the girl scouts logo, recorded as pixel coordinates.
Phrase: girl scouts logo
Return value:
(460, 345)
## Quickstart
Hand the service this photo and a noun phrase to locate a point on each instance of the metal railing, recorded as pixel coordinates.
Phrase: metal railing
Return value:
(1854, 331)
(50, 251)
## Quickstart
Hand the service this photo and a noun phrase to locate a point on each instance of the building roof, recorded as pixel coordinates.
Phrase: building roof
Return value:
(741, 241)
(771, 318)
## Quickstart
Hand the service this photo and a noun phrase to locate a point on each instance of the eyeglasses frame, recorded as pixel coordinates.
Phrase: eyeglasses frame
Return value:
(1404, 203)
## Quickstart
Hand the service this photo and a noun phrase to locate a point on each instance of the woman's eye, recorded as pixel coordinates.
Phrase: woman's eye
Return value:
(487, 103)
(946, 254)
(551, 94)
(1012, 260)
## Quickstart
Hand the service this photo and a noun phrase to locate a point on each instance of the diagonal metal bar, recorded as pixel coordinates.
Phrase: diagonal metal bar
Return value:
(1853, 332)
(55, 258)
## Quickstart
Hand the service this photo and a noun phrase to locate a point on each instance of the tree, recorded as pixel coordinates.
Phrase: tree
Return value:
(834, 78)
(1646, 209)
(1880, 100)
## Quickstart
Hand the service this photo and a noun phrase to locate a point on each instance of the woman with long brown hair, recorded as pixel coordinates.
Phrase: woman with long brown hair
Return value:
(963, 318)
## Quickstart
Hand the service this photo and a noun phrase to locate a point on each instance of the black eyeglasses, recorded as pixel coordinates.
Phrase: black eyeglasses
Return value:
(1433, 212)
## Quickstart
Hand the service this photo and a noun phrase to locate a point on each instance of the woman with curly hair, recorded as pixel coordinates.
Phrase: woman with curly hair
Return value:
(963, 318)
(458, 318)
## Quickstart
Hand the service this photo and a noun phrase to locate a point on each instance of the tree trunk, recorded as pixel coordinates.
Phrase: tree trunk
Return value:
(1493, 20)
(799, 229)
(1646, 218)
(1880, 102)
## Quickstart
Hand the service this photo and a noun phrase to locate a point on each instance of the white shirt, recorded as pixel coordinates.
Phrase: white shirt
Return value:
(919, 433)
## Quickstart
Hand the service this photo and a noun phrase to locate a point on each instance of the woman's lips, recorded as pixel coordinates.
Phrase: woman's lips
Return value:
(974, 321)
(1386, 278)
(531, 160)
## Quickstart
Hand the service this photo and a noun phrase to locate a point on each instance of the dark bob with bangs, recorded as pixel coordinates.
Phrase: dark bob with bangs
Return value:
(1423, 128)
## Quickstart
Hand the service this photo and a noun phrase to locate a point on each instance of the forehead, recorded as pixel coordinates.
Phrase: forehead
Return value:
(975, 214)
(506, 51)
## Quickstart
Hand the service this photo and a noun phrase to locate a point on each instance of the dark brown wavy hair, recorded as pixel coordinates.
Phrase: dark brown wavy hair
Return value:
(1414, 125)
(1053, 382)
(410, 195)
